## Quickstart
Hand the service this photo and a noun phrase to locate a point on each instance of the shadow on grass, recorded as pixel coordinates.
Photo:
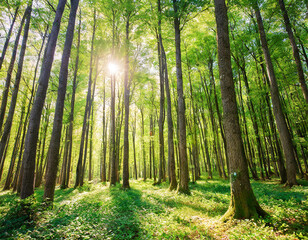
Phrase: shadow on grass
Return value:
(126, 208)
(276, 192)
(19, 217)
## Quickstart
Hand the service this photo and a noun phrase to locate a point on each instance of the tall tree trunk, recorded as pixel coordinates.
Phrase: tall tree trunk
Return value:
(210, 66)
(35, 116)
(184, 174)
(143, 147)
(6, 89)
(134, 146)
(161, 175)
(7, 40)
(299, 66)
(126, 103)
(243, 202)
(10, 116)
(284, 133)
(9, 176)
(53, 158)
(79, 170)
(172, 174)
(66, 176)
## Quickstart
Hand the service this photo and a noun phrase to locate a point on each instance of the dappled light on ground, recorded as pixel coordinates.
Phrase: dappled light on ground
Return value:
(153, 212)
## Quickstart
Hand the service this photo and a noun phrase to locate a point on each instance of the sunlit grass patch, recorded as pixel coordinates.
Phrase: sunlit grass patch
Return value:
(97, 211)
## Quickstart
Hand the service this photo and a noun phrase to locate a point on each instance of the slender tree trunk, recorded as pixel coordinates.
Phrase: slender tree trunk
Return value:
(53, 158)
(184, 174)
(10, 116)
(7, 40)
(103, 162)
(9, 176)
(299, 66)
(284, 133)
(143, 147)
(6, 89)
(243, 202)
(210, 66)
(161, 176)
(172, 174)
(134, 146)
(126, 103)
(79, 170)
(35, 116)
(66, 178)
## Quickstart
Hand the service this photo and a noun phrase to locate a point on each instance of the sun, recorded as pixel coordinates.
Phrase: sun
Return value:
(113, 68)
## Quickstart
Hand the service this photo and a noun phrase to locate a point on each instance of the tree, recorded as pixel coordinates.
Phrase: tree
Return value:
(9, 119)
(29, 155)
(285, 136)
(53, 158)
(243, 202)
(184, 175)
(298, 62)
(6, 44)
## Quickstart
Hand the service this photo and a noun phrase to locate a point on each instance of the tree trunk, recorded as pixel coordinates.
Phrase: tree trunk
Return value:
(6, 89)
(79, 169)
(161, 175)
(35, 116)
(284, 133)
(243, 202)
(7, 40)
(299, 66)
(126, 103)
(143, 147)
(9, 176)
(184, 174)
(53, 158)
(10, 116)
(172, 174)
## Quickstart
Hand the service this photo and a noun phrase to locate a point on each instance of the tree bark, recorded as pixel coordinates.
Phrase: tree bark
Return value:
(299, 66)
(10, 116)
(7, 40)
(184, 171)
(35, 116)
(243, 202)
(6, 89)
(53, 158)
(126, 106)
(284, 132)
(79, 169)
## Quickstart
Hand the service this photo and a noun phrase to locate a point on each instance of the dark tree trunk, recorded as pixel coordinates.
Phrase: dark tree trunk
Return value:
(172, 174)
(66, 176)
(53, 158)
(143, 147)
(284, 133)
(7, 40)
(126, 106)
(35, 116)
(184, 171)
(243, 202)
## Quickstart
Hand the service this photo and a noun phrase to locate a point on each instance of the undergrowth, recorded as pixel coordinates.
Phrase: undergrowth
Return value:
(96, 211)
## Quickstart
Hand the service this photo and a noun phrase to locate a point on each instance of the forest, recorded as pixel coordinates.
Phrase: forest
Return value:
(158, 119)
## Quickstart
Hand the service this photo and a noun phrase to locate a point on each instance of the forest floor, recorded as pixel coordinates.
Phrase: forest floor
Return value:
(152, 212)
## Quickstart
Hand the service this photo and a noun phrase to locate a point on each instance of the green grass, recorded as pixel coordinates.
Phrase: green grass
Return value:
(152, 212)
